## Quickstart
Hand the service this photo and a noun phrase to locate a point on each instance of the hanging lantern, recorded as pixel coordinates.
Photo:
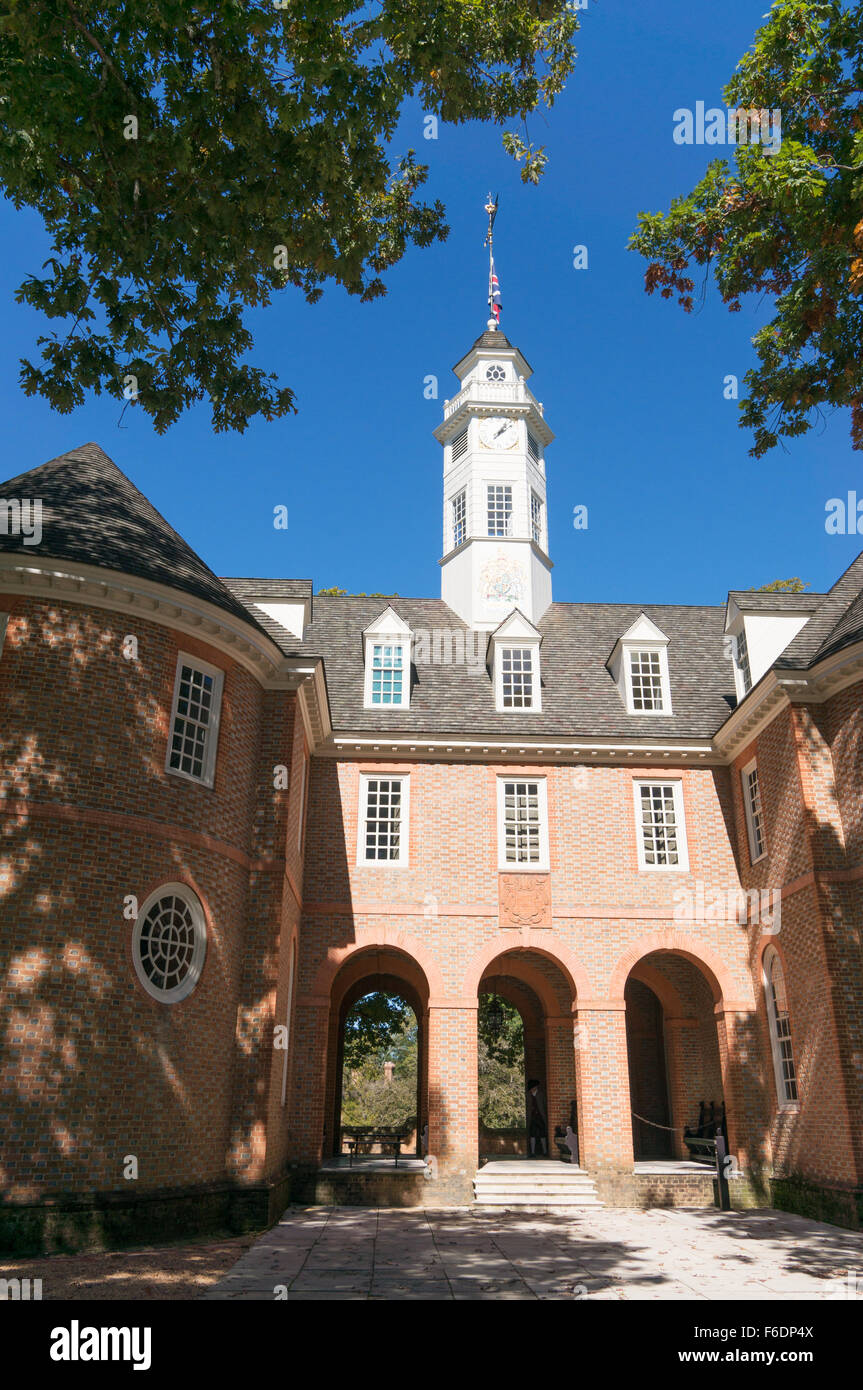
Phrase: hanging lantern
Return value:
(495, 1017)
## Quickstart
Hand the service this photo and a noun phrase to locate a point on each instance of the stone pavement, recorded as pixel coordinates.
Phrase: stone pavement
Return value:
(610, 1253)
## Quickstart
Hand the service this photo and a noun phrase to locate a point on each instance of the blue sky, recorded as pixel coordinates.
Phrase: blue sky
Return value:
(632, 386)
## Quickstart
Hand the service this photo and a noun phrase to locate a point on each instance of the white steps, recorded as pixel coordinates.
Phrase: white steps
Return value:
(540, 1184)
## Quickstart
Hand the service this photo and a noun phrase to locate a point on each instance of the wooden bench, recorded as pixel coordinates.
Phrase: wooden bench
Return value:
(701, 1140)
(367, 1134)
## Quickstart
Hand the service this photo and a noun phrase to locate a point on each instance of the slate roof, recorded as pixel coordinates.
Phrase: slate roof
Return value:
(92, 514)
(579, 697)
(755, 601)
(837, 622)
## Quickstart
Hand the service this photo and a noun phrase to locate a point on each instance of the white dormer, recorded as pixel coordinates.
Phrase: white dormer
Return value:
(387, 655)
(760, 632)
(515, 665)
(639, 668)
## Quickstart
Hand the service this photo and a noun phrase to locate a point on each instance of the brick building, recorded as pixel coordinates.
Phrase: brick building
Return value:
(231, 808)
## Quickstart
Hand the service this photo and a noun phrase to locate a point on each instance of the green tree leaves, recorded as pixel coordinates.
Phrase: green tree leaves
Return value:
(190, 161)
(787, 225)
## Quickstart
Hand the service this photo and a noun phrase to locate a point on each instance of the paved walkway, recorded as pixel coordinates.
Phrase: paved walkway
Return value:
(610, 1253)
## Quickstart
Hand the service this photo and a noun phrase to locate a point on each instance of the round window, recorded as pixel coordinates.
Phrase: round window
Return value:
(169, 943)
(495, 373)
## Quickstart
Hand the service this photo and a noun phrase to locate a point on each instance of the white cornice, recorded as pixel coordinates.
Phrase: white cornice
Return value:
(424, 746)
(68, 582)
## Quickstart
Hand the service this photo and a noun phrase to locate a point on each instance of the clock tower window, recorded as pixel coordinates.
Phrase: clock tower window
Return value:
(535, 517)
(499, 509)
(459, 518)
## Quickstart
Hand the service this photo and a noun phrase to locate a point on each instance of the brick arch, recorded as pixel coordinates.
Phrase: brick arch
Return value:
(722, 984)
(665, 991)
(387, 940)
(535, 981)
(527, 940)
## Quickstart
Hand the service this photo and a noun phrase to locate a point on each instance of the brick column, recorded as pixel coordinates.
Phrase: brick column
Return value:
(738, 1049)
(559, 1072)
(677, 1034)
(452, 1098)
(602, 1076)
(308, 1101)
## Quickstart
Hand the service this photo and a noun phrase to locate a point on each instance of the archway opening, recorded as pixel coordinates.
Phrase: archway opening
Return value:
(502, 1076)
(535, 999)
(675, 1069)
(377, 1072)
(380, 1073)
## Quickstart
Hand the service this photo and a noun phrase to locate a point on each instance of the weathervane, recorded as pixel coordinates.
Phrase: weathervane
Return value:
(494, 303)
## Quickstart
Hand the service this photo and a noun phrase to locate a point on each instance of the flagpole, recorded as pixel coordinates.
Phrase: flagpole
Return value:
(491, 209)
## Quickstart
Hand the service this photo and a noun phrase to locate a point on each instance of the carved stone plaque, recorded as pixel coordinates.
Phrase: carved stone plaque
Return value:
(524, 900)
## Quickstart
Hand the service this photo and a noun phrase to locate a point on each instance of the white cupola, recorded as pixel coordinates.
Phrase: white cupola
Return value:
(495, 524)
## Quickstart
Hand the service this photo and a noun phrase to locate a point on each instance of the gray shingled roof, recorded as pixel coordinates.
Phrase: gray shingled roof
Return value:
(579, 697)
(756, 601)
(835, 623)
(93, 514)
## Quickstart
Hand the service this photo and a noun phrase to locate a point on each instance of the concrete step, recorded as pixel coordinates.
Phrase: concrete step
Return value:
(534, 1184)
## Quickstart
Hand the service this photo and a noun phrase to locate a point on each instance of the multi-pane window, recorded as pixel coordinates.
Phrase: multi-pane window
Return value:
(522, 823)
(662, 843)
(387, 684)
(645, 671)
(743, 661)
(194, 720)
(459, 518)
(516, 676)
(383, 816)
(495, 372)
(780, 1028)
(535, 517)
(754, 813)
(499, 509)
(459, 445)
(169, 942)
(532, 447)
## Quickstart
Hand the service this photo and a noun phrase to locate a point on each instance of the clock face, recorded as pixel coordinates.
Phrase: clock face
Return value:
(498, 433)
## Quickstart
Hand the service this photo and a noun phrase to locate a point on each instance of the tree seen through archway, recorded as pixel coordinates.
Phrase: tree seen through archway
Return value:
(380, 1029)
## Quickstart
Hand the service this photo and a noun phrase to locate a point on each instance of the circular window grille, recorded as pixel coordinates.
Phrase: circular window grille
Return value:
(495, 373)
(169, 943)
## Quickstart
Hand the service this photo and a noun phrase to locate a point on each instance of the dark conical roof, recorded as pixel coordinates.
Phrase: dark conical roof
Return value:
(93, 514)
(492, 338)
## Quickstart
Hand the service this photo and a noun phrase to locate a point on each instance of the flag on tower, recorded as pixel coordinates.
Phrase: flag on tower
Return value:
(494, 292)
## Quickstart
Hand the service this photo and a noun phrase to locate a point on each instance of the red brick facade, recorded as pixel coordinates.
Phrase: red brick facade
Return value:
(629, 1003)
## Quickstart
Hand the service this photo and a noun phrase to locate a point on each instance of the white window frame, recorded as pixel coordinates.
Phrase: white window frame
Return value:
(682, 866)
(539, 523)
(404, 824)
(211, 742)
(786, 1102)
(659, 649)
(509, 866)
(750, 812)
(510, 520)
(199, 949)
(382, 640)
(742, 667)
(458, 497)
(518, 645)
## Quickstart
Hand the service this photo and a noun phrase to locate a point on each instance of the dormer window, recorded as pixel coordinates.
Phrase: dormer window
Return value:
(495, 372)
(639, 668)
(741, 660)
(515, 664)
(645, 679)
(387, 663)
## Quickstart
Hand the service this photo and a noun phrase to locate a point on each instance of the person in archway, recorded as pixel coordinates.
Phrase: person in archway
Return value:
(537, 1121)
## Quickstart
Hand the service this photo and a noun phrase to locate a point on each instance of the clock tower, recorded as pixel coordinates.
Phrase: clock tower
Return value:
(495, 523)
